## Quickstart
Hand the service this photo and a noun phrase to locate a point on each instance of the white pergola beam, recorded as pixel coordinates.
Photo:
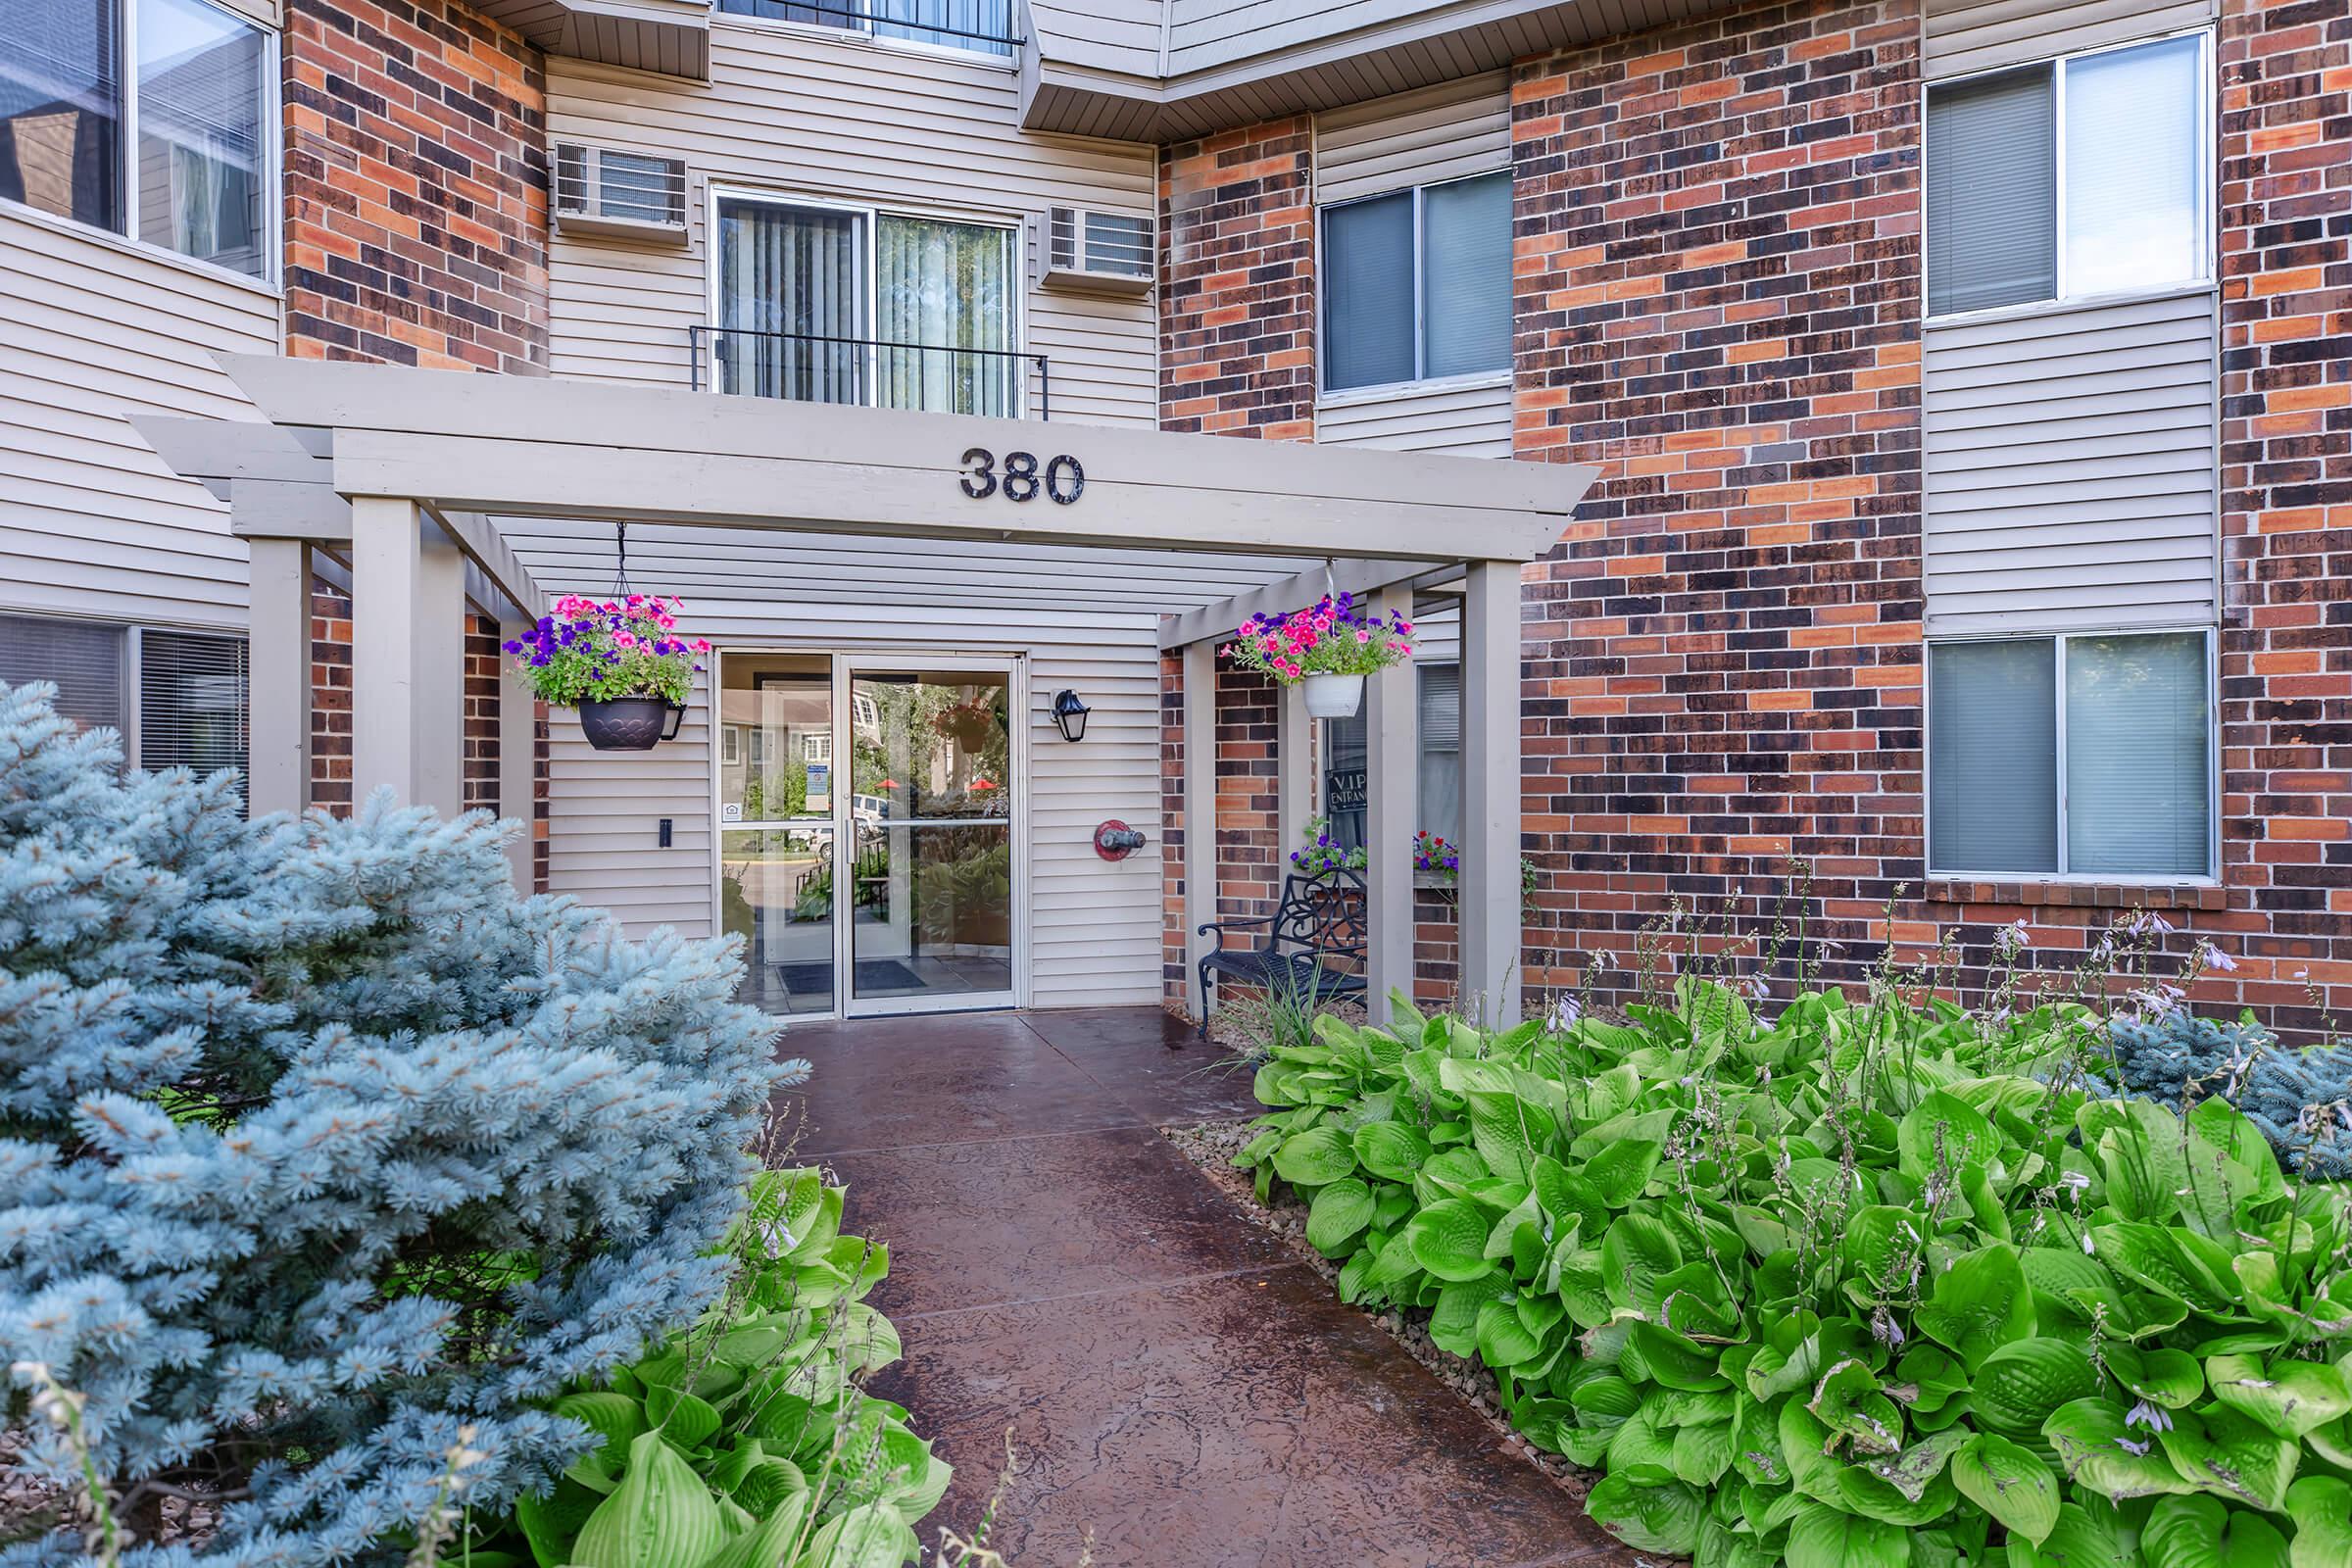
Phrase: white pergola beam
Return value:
(408, 657)
(278, 663)
(1199, 676)
(1393, 778)
(1488, 879)
(1353, 575)
(1294, 771)
(518, 764)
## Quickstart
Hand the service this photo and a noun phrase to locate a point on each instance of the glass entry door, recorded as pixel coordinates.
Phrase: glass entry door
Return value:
(929, 910)
(865, 849)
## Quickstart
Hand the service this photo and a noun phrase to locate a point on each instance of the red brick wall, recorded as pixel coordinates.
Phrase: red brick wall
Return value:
(1718, 259)
(482, 660)
(2287, 432)
(330, 698)
(415, 176)
(1237, 283)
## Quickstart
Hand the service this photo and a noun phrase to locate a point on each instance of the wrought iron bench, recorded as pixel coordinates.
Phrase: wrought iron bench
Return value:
(1318, 920)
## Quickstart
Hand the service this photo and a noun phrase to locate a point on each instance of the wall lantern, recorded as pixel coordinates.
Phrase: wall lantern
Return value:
(1070, 715)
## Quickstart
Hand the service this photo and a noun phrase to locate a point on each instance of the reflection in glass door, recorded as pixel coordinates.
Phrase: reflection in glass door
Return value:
(929, 895)
(778, 826)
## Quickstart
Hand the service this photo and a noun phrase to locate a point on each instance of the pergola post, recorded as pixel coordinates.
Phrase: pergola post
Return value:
(1392, 764)
(408, 657)
(1200, 805)
(518, 758)
(1491, 935)
(278, 665)
(1294, 773)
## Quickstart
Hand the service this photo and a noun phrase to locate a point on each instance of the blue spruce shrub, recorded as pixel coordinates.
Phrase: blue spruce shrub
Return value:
(317, 1144)
(2178, 1059)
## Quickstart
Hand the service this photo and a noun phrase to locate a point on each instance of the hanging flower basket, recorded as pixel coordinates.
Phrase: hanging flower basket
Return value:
(620, 662)
(1330, 647)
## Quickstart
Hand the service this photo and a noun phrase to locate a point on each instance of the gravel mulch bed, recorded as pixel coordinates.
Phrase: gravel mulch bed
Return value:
(1211, 1147)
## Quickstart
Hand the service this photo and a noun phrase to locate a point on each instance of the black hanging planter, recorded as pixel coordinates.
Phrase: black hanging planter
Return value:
(629, 723)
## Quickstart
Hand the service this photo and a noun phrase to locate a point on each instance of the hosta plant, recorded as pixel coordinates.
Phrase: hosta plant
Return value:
(745, 1442)
(1862, 1287)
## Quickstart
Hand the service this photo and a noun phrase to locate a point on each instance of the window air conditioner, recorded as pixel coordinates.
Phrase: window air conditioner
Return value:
(1107, 253)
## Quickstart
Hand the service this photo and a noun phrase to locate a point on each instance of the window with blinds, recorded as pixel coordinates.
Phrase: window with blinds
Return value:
(1417, 284)
(2073, 756)
(2077, 179)
(84, 663)
(1441, 765)
(193, 701)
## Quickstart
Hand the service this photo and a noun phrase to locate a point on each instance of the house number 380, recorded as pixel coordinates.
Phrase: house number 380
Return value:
(1062, 479)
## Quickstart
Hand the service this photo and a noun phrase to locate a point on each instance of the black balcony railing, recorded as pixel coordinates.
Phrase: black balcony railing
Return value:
(875, 372)
(982, 25)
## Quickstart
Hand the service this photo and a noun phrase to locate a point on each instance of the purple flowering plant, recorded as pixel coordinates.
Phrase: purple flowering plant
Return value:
(1323, 855)
(1330, 637)
(1434, 853)
(596, 651)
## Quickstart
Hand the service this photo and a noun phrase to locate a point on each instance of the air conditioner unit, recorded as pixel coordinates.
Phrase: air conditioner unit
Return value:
(603, 191)
(1105, 253)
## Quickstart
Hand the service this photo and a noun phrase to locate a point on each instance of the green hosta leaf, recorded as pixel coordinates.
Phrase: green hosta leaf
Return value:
(1314, 1157)
(1608, 1396)
(1702, 1453)
(2061, 1277)
(1979, 1303)
(1620, 1172)
(2322, 1508)
(1933, 1376)
(1664, 1357)
(685, 1419)
(1395, 1263)
(2020, 1383)
(2143, 1158)
(1756, 1445)
(1660, 1517)
(550, 1524)
(2200, 1533)
(1862, 1490)
(2290, 1397)
(2009, 1482)
(2090, 1437)
(661, 1516)
(2082, 1539)
(1450, 1173)
(1638, 1447)
(1945, 1134)
(1449, 1238)
(1639, 1251)
(1338, 1212)
(1453, 1324)
(1920, 1462)
(871, 1536)
(1850, 1402)
(2173, 1264)
(1390, 1149)
(1882, 1244)
(1823, 1537)
(1508, 1131)
(2169, 1378)
(1503, 1340)
(2231, 1455)
(765, 1545)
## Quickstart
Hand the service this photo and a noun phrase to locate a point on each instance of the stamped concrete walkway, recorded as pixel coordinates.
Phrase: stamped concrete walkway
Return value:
(1174, 1379)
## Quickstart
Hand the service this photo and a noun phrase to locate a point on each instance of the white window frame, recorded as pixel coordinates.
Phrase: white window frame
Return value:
(1330, 397)
(850, 31)
(127, 170)
(2060, 639)
(1016, 278)
(2208, 202)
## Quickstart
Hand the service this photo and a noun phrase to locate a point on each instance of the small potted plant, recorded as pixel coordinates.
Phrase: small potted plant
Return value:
(1434, 855)
(1330, 646)
(620, 662)
(1323, 855)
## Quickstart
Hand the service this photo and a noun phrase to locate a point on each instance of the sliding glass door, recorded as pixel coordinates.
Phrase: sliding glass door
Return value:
(867, 846)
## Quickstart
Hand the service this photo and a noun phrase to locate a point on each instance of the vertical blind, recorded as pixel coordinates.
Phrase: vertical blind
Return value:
(1441, 763)
(2133, 169)
(1466, 276)
(83, 662)
(1993, 192)
(1417, 284)
(789, 279)
(2137, 773)
(1992, 749)
(192, 701)
(948, 287)
(1368, 292)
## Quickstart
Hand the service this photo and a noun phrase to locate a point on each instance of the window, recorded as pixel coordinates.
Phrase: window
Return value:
(2084, 756)
(181, 161)
(2078, 177)
(180, 697)
(1417, 284)
(1438, 808)
(982, 25)
(849, 305)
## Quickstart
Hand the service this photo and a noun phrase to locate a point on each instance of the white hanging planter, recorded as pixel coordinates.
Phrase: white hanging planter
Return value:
(1333, 696)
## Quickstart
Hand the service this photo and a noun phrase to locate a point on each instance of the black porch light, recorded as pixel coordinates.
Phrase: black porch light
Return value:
(1070, 715)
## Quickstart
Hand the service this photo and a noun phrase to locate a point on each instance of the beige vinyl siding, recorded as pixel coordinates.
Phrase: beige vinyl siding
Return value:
(1093, 924)
(92, 330)
(1448, 131)
(796, 111)
(2071, 458)
(1967, 35)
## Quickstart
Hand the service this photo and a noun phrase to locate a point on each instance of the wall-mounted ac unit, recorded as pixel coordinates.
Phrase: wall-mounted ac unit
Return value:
(1105, 253)
(603, 191)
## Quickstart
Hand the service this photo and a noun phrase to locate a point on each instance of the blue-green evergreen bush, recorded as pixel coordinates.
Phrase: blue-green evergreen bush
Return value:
(2297, 1098)
(318, 1143)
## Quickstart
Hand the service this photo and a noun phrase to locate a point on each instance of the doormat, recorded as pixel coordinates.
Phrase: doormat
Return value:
(873, 974)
